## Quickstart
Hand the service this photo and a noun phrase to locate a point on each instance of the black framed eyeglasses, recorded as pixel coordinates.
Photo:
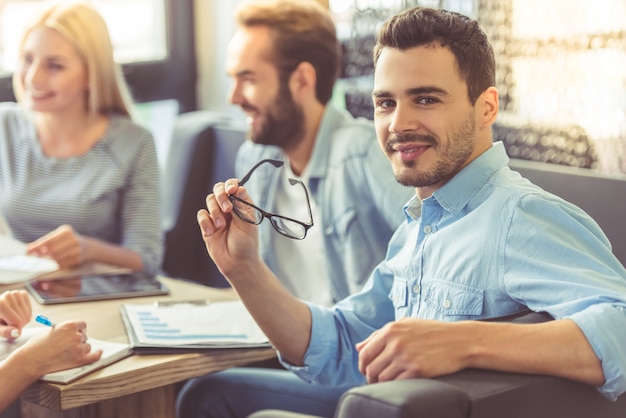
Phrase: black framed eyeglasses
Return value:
(289, 227)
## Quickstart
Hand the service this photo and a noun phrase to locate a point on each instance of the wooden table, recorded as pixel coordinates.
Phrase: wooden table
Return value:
(138, 386)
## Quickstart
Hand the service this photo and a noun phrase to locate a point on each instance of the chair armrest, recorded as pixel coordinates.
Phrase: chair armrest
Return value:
(413, 398)
(475, 393)
(277, 413)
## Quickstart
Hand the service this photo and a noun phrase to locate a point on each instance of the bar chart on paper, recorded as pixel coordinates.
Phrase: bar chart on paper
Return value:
(196, 325)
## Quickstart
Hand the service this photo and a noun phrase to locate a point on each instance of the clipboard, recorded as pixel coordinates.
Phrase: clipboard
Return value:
(190, 326)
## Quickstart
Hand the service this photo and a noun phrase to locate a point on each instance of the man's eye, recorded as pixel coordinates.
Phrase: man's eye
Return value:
(385, 104)
(427, 100)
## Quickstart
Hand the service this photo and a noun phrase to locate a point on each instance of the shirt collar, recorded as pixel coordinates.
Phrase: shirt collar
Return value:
(457, 192)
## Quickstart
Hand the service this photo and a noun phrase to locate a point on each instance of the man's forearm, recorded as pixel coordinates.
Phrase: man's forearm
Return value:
(285, 320)
(557, 348)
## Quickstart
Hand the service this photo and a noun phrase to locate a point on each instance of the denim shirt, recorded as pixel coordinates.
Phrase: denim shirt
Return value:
(353, 186)
(487, 244)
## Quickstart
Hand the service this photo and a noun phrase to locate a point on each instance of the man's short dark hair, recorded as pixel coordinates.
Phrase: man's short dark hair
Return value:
(461, 35)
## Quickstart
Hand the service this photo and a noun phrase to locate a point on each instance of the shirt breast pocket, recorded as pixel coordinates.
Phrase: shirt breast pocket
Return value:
(399, 296)
(454, 301)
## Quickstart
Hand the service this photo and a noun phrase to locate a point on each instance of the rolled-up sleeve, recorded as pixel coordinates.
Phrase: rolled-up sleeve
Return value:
(571, 275)
(331, 358)
(604, 325)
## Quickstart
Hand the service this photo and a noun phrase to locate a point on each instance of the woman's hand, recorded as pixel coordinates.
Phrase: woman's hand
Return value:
(15, 312)
(65, 346)
(64, 245)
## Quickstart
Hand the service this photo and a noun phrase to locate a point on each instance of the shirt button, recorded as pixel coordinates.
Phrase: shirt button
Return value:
(427, 229)
(447, 303)
(416, 288)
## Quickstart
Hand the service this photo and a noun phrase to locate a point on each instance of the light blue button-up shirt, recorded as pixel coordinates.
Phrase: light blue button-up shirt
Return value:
(488, 243)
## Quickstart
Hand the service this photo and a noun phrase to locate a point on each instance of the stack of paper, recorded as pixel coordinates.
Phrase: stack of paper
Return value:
(16, 266)
(191, 325)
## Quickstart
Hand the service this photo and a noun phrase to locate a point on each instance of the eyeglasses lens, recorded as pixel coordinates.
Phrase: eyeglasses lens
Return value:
(246, 212)
(289, 228)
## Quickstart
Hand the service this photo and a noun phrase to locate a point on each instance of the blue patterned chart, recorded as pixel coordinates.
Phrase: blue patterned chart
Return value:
(193, 323)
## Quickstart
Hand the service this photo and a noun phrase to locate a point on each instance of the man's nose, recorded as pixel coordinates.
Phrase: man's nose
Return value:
(404, 119)
(234, 95)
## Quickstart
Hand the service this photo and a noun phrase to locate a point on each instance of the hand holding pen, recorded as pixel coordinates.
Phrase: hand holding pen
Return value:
(80, 327)
(43, 320)
(64, 347)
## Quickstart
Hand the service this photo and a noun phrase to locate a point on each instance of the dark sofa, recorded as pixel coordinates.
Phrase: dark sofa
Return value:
(202, 152)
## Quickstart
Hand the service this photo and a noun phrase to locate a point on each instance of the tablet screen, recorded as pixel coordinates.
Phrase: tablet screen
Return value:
(95, 287)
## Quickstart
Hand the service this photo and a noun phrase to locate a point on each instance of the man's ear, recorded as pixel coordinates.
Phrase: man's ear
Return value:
(487, 103)
(303, 80)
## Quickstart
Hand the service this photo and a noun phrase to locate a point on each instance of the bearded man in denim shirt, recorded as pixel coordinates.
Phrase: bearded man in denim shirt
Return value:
(283, 60)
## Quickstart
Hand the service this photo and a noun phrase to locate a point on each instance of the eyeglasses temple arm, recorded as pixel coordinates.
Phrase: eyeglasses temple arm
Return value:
(306, 193)
(275, 163)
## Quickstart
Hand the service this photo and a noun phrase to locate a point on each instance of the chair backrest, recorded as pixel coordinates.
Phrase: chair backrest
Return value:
(202, 152)
(603, 197)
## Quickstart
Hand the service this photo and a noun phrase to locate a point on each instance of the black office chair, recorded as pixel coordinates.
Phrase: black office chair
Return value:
(202, 152)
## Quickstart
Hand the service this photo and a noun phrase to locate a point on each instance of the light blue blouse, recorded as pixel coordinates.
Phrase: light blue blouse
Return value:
(488, 243)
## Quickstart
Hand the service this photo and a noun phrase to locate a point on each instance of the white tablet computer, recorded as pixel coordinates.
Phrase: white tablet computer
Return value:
(95, 287)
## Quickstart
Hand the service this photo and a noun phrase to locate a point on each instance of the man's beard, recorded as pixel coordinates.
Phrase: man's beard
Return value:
(284, 122)
(451, 156)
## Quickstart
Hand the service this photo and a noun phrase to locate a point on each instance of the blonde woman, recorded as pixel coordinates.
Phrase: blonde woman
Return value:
(78, 178)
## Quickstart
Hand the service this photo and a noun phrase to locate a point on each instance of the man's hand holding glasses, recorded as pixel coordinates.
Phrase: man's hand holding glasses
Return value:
(232, 239)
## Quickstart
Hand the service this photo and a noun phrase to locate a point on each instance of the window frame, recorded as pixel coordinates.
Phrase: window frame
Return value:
(174, 77)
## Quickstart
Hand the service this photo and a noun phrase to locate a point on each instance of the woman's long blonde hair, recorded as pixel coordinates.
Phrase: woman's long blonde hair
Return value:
(83, 26)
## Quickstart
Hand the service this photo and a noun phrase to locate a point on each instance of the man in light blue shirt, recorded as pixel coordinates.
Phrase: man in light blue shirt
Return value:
(479, 242)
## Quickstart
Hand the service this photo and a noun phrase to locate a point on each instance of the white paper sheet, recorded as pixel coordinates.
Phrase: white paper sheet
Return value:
(188, 323)
(16, 266)
(111, 352)
(10, 246)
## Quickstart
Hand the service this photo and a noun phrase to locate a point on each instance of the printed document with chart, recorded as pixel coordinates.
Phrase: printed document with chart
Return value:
(175, 326)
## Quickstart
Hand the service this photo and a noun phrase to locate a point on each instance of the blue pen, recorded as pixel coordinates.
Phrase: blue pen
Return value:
(44, 320)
